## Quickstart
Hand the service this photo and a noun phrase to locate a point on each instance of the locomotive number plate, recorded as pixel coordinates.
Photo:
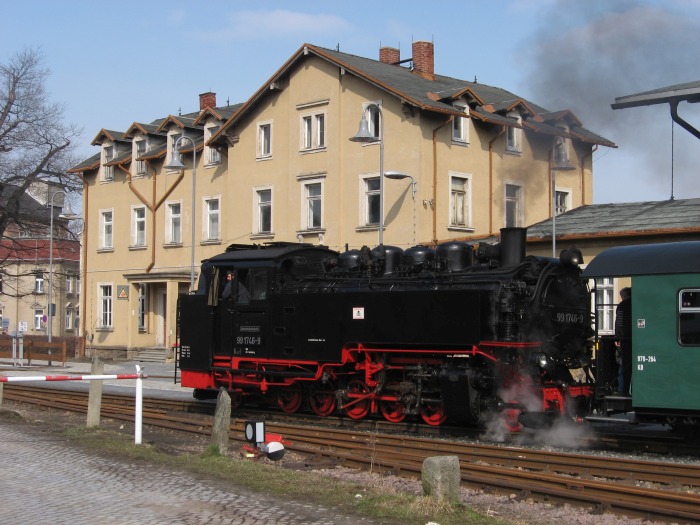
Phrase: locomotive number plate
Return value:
(568, 318)
(250, 340)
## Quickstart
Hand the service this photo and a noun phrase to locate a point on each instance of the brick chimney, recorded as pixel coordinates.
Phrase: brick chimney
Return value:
(207, 100)
(389, 55)
(424, 58)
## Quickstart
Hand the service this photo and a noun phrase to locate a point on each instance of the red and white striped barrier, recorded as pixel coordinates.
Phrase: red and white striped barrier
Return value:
(139, 376)
(17, 379)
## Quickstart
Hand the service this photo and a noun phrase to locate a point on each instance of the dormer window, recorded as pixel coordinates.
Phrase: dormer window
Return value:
(514, 136)
(107, 156)
(212, 155)
(140, 147)
(460, 125)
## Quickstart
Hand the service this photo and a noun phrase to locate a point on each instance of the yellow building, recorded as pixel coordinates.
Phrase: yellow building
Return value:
(461, 159)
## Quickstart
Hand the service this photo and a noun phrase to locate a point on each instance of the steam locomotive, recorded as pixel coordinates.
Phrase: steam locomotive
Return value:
(461, 331)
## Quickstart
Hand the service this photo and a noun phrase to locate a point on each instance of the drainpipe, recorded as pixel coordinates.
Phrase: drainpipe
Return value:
(491, 143)
(83, 279)
(435, 176)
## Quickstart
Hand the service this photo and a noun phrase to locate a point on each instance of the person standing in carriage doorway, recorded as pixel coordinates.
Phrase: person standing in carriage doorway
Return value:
(235, 290)
(623, 335)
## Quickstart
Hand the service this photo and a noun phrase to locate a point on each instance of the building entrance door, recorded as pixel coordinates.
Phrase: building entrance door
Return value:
(161, 316)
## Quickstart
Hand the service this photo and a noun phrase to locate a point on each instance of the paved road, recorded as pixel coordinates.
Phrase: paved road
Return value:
(43, 480)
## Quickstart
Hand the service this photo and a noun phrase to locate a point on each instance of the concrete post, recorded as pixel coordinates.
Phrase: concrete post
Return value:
(441, 478)
(95, 394)
(222, 421)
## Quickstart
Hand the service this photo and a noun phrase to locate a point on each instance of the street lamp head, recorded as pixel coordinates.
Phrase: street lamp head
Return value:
(561, 160)
(68, 213)
(363, 134)
(175, 162)
(397, 175)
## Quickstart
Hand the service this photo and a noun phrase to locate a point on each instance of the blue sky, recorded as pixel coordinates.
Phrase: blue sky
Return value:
(114, 63)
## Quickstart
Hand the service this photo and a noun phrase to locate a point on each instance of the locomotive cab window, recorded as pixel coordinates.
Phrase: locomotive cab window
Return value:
(689, 317)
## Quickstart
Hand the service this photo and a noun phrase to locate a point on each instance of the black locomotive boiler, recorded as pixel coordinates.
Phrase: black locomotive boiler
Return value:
(460, 331)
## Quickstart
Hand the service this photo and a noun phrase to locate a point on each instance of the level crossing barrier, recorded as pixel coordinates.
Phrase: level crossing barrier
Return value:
(138, 376)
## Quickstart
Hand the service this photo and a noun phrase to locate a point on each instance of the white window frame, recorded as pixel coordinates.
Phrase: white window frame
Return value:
(69, 317)
(173, 222)
(514, 136)
(138, 226)
(312, 131)
(261, 207)
(562, 199)
(107, 229)
(105, 305)
(369, 194)
(212, 155)
(108, 154)
(603, 304)
(211, 219)
(374, 119)
(308, 202)
(264, 140)
(462, 199)
(519, 201)
(38, 318)
(140, 148)
(39, 282)
(460, 125)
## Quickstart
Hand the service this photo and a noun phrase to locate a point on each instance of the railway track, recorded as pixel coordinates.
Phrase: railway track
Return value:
(647, 489)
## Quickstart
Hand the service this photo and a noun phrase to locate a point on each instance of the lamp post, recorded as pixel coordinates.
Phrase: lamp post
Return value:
(68, 215)
(364, 136)
(176, 164)
(561, 163)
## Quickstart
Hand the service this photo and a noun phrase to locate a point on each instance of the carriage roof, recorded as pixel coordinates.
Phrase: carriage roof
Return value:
(646, 259)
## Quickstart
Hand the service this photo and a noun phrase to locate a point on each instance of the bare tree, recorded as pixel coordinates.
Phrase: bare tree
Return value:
(35, 144)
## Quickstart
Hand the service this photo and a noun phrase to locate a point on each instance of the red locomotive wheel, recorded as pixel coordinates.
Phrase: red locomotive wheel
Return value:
(433, 413)
(289, 400)
(393, 411)
(322, 402)
(510, 420)
(357, 405)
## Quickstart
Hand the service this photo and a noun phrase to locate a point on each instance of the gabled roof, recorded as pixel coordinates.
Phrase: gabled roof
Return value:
(88, 164)
(181, 121)
(219, 113)
(145, 129)
(622, 219)
(435, 94)
(106, 134)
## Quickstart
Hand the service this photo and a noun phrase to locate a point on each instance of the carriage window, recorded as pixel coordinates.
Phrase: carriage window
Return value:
(689, 317)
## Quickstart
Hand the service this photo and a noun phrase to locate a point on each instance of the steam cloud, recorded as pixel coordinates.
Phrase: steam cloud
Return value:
(585, 54)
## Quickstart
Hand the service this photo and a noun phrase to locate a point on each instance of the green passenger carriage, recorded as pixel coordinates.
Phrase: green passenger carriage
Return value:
(665, 332)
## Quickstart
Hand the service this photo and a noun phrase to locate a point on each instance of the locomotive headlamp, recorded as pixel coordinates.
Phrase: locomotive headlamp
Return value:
(571, 257)
(542, 360)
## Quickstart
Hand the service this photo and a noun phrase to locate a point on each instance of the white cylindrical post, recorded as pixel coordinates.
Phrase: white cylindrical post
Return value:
(139, 407)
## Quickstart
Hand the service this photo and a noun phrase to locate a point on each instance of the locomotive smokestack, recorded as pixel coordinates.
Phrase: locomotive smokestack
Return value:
(513, 241)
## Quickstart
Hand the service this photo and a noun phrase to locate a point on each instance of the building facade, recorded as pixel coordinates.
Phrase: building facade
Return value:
(27, 269)
(460, 159)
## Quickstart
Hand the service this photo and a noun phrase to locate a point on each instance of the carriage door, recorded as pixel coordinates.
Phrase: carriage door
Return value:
(250, 337)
